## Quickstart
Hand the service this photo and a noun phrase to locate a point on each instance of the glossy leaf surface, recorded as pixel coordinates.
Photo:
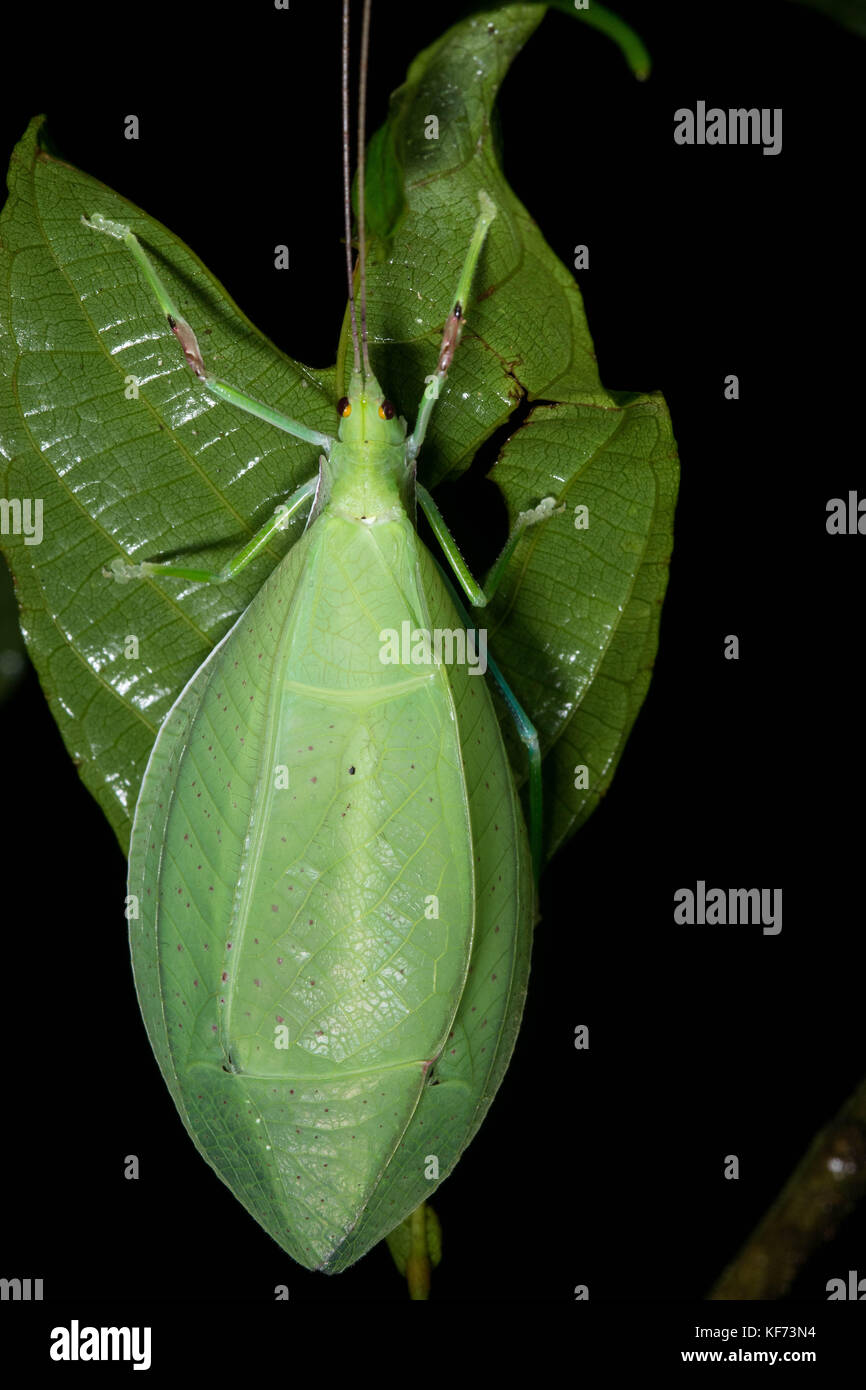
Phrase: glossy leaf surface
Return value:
(100, 417)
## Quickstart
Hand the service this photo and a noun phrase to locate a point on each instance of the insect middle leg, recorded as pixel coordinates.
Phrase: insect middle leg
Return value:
(480, 596)
(122, 570)
(477, 595)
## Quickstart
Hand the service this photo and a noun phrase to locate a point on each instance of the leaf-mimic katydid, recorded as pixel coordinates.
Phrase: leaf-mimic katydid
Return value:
(331, 885)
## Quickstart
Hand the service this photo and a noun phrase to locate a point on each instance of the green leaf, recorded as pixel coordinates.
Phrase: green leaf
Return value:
(168, 471)
(575, 625)
(171, 472)
(591, 598)
(385, 177)
(384, 184)
(601, 18)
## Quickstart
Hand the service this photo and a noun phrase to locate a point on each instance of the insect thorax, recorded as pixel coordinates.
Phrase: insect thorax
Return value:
(367, 482)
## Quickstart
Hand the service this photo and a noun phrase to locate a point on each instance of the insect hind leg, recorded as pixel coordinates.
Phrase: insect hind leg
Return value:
(527, 733)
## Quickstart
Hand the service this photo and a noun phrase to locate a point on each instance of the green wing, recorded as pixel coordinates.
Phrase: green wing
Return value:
(323, 1036)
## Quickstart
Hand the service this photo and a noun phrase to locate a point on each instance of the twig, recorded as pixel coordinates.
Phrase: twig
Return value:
(822, 1191)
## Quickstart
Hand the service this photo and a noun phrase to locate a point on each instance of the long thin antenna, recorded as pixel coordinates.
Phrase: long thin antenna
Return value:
(347, 189)
(362, 124)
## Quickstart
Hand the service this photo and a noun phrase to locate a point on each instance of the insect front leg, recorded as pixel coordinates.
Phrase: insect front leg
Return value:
(123, 571)
(453, 325)
(214, 386)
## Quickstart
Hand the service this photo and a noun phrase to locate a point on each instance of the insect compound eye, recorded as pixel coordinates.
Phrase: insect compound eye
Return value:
(344, 407)
(386, 411)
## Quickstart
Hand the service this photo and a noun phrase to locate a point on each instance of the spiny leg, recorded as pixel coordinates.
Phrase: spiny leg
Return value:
(479, 597)
(453, 325)
(187, 339)
(123, 571)
(527, 733)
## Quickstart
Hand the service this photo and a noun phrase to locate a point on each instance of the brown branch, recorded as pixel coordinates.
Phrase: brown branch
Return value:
(823, 1190)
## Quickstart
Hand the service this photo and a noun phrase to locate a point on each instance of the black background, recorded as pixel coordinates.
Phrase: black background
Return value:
(600, 1167)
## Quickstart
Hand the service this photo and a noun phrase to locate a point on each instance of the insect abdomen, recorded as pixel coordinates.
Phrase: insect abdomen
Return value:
(295, 982)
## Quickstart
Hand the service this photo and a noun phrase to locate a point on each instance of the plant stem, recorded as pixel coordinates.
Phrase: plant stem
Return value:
(823, 1190)
(418, 1268)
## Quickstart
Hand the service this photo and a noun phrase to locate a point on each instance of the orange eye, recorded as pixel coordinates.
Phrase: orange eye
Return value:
(344, 406)
(386, 411)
